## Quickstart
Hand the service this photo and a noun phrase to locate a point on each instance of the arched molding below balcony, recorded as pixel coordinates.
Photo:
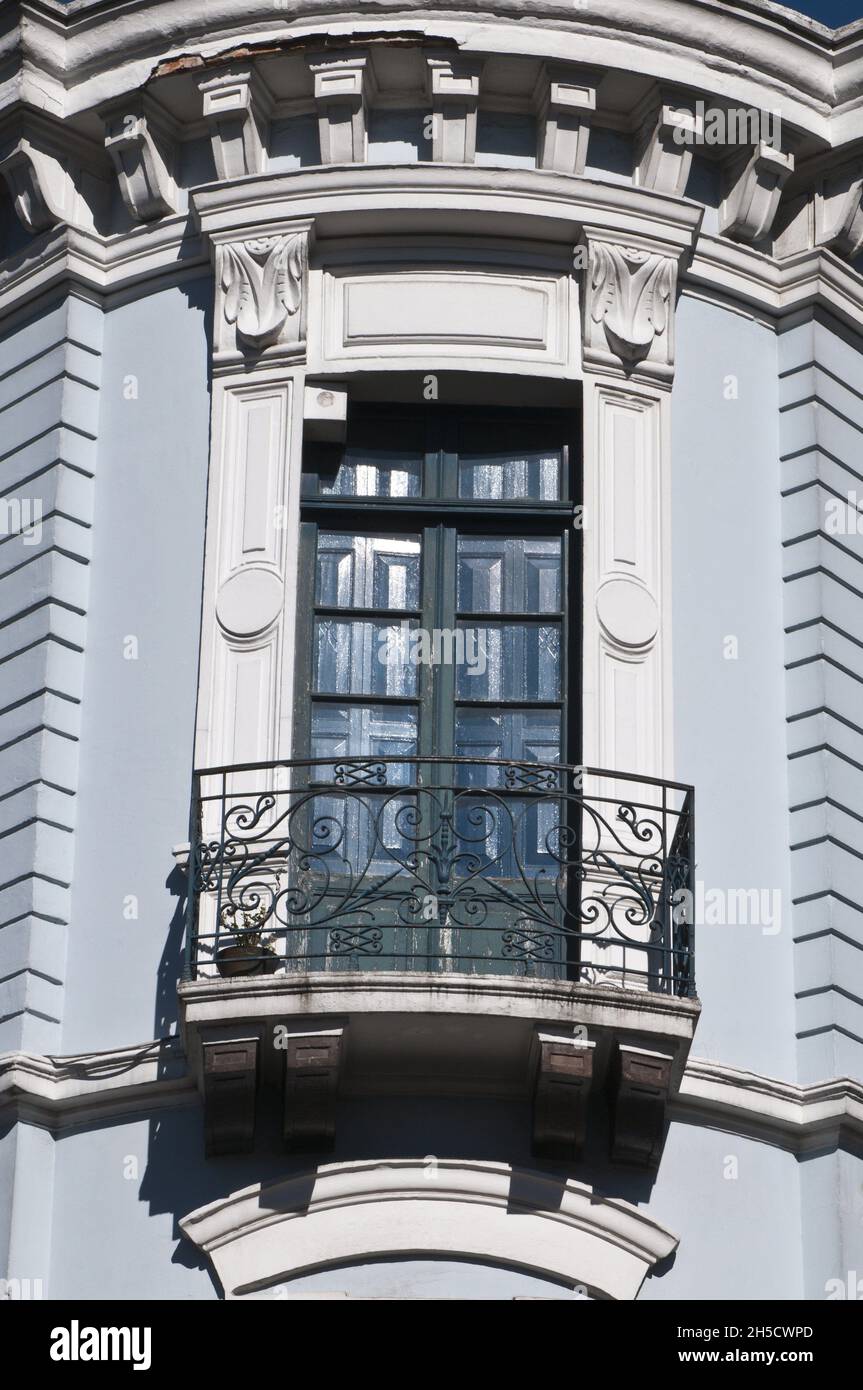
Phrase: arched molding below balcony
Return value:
(490, 1212)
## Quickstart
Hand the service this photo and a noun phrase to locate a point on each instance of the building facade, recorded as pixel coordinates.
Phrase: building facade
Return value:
(430, 463)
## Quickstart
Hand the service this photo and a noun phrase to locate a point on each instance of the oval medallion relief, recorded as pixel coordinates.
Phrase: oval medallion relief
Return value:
(628, 613)
(249, 602)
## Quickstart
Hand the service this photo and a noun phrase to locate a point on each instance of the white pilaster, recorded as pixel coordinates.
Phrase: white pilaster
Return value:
(246, 694)
(627, 589)
(628, 352)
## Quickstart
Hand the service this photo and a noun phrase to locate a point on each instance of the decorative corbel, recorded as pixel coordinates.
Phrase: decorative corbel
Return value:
(839, 212)
(628, 301)
(312, 1063)
(43, 163)
(454, 94)
(754, 183)
(344, 89)
(236, 108)
(639, 1088)
(665, 148)
(36, 182)
(563, 1070)
(142, 144)
(262, 284)
(564, 99)
(229, 1080)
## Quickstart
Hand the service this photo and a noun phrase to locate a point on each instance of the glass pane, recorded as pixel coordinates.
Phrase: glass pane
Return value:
(367, 472)
(511, 661)
(354, 832)
(498, 574)
(523, 736)
(364, 732)
(528, 475)
(357, 657)
(368, 571)
(515, 837)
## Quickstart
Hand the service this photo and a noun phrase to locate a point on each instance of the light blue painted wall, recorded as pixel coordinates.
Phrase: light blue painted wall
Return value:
(506, 139)
(610, 156)
(138, 715)
(398, 137)
(822, 511)
(729, 715)
(114, 1226)
(50, 364)
(26, 1184)
(294, 144)
(735, 1204)
(831, 1190)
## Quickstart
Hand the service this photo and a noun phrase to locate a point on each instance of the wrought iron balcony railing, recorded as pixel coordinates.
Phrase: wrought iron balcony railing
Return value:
(442, 865)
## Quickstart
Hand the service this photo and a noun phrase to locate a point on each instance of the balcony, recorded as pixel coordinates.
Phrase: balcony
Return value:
(446, 926)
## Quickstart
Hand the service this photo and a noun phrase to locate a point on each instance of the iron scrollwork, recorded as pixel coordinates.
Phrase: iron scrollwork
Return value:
(440, 865)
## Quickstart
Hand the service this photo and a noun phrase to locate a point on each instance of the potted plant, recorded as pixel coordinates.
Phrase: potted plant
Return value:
(251, 952)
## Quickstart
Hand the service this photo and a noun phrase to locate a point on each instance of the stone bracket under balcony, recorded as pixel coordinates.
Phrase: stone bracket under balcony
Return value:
(571, 1050)
(297, 1061)
(563, 1077)
(313, 1062)
(229, 1082)
(639, 1086)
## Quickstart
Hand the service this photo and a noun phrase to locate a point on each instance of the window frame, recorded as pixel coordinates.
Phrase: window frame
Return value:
(438, 515)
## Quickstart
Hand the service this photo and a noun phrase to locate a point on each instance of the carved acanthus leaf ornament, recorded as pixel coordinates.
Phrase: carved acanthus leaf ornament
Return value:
(262, 280)
(631, 295)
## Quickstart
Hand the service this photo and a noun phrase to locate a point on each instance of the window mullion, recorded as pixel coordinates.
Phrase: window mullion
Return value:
(427, 621)
(445, 622)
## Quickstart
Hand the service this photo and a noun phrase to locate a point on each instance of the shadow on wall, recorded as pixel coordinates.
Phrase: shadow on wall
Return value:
(199, 295)
(171, 960)
(178, 1179)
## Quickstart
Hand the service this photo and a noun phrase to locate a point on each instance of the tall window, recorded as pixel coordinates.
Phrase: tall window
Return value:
(439, 565)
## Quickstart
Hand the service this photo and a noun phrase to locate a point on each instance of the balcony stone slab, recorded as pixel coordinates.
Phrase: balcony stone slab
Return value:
(447, 1035)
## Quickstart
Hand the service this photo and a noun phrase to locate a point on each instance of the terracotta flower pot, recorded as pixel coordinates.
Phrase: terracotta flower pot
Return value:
(245, 959)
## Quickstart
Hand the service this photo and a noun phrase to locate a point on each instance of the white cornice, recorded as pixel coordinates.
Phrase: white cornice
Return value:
(394, 198)
(59, 1092)
(102, 266)
(776, 289)
(379, 202)
(804, 1119)
(75, 56)
(357, 199)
